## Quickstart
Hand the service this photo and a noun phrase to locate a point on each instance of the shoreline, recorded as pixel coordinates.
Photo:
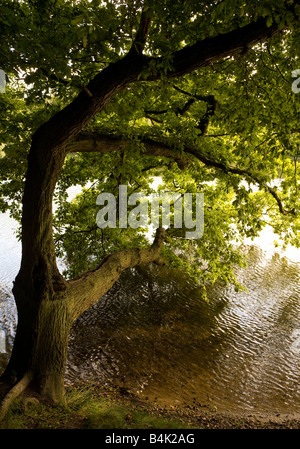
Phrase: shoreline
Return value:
(92, 406)
(204, 416)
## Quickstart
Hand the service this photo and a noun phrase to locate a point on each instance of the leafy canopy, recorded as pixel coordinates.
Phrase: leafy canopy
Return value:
(235, 123)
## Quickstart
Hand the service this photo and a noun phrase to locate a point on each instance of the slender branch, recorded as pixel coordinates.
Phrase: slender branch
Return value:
(185, 108)
(178, 111)
(211, 107)
(196, 96)
(276, 65)
(65, 82)
(242, 172)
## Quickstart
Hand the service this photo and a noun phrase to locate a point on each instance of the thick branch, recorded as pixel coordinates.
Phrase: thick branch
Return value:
(103, 143)
(204, 120)
(89, 142)
(72, 119)
(213, 49)
(92, 285)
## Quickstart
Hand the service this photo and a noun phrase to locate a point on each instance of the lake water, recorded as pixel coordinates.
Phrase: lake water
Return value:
(153, 335)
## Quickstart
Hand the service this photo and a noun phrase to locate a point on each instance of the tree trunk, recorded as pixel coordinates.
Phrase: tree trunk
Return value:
(40, 347)
(41, 339)
(50, 349)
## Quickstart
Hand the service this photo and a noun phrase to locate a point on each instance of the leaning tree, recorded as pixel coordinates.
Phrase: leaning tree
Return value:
(106, 93)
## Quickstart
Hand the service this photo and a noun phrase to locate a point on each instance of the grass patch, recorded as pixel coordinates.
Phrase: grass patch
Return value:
(84, 410)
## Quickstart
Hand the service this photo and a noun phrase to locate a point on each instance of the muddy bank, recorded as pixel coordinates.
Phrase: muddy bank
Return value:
(198, 415)
(104, 407)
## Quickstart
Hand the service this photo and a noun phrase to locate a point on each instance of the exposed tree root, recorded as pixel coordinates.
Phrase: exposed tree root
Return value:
(14, 392)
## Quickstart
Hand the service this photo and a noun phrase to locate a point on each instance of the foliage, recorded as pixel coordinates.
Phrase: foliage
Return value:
(53, 48)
